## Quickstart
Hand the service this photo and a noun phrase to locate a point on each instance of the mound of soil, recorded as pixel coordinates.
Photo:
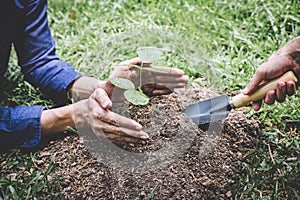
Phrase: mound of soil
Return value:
(181, 161)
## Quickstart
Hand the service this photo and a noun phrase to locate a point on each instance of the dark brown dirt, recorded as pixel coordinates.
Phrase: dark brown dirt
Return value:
(181, 161)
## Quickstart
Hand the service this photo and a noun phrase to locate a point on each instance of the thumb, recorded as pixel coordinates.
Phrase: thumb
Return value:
(251, 87)
(248, 90)
(133, 61)
(102, 98)
(255, 81)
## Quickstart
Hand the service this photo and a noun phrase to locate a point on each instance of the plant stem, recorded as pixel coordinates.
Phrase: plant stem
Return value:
(141, 68)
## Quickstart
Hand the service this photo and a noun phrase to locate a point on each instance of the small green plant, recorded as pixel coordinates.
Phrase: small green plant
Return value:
(133, 95)
(151, 194)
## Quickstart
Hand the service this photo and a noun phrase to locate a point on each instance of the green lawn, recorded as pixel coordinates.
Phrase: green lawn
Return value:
(221, 42)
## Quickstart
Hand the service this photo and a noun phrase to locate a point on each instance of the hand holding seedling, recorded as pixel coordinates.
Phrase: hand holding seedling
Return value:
(141, 79)
(137, 78)
(285, 59)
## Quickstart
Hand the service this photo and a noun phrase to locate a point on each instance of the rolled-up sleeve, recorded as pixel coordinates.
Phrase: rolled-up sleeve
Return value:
(35, 47)
(36, 53)
(20, 126)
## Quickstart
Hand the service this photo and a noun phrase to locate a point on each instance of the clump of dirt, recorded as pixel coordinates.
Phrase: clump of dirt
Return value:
(181, 161)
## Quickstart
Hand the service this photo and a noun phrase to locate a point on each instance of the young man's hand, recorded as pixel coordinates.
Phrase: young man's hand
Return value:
(164, 81)
(285, 59)
(153, 83)
(93, 113)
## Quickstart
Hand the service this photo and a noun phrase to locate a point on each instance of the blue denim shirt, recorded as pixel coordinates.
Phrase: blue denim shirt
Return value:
(24, 24)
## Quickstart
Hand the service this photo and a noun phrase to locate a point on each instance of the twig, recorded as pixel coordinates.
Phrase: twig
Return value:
(269, 148)
(272, 158)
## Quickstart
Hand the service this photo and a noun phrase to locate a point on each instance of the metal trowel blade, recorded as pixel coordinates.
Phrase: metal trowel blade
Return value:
(209, 111)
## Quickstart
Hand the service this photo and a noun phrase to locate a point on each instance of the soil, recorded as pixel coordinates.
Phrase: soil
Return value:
(180, 161)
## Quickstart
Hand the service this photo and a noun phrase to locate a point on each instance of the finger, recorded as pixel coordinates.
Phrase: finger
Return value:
(166, 71)
(252, 86)
(153, 89)
(270, 97)
(290, 88)
(161, 92)
(172, 86)
(106, 127)
(158, 86)
(118, 139)
(157, 92)
(101, 97)
(118, 120)
(128, 72)
(133, 61)
(281, 91)
(166, 79)
(154, 86)
(257, 105)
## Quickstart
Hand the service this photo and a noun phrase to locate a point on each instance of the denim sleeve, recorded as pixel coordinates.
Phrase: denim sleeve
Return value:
(20, 126)
(36, 52)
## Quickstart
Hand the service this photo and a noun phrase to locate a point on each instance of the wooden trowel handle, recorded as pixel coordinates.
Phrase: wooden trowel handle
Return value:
(241, 100)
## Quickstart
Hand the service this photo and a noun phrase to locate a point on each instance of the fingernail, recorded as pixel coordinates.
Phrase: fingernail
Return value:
(281, 84)
(179, 71)
(186, 78)
(145, 136)
(138, 126)
(281, 87)
(256, 107)
(143, 142)
(107, 103)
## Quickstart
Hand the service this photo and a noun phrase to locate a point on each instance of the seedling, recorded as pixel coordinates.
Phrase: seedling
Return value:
(131, 94)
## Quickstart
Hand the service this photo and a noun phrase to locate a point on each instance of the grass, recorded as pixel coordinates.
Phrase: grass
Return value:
(221, 42)
(21, 178)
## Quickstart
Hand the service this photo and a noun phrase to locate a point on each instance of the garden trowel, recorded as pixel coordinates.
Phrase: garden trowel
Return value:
(217, 108)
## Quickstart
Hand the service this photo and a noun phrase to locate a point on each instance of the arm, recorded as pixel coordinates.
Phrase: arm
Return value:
(20, 126)
(24, 126)
(285, 59)
(35, 48)
(41, 67)
(36, 52)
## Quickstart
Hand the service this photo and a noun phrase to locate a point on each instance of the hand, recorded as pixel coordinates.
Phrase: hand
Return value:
(153, 83)
(94, 112)
(285, 59)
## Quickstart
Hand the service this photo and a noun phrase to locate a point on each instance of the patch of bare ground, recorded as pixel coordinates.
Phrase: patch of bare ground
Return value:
(183, 161)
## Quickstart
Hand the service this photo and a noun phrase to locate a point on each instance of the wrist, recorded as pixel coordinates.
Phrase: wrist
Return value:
(83, 87)
(109, 88)
(57, 120)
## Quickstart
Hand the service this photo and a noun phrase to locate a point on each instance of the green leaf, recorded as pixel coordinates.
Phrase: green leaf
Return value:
(71, 130)
(151, 194)
(149, 54)
(136, 97)
(154, 70)
(123, 83)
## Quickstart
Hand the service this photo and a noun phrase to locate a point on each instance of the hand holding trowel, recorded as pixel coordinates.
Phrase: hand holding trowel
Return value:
(217, 108)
